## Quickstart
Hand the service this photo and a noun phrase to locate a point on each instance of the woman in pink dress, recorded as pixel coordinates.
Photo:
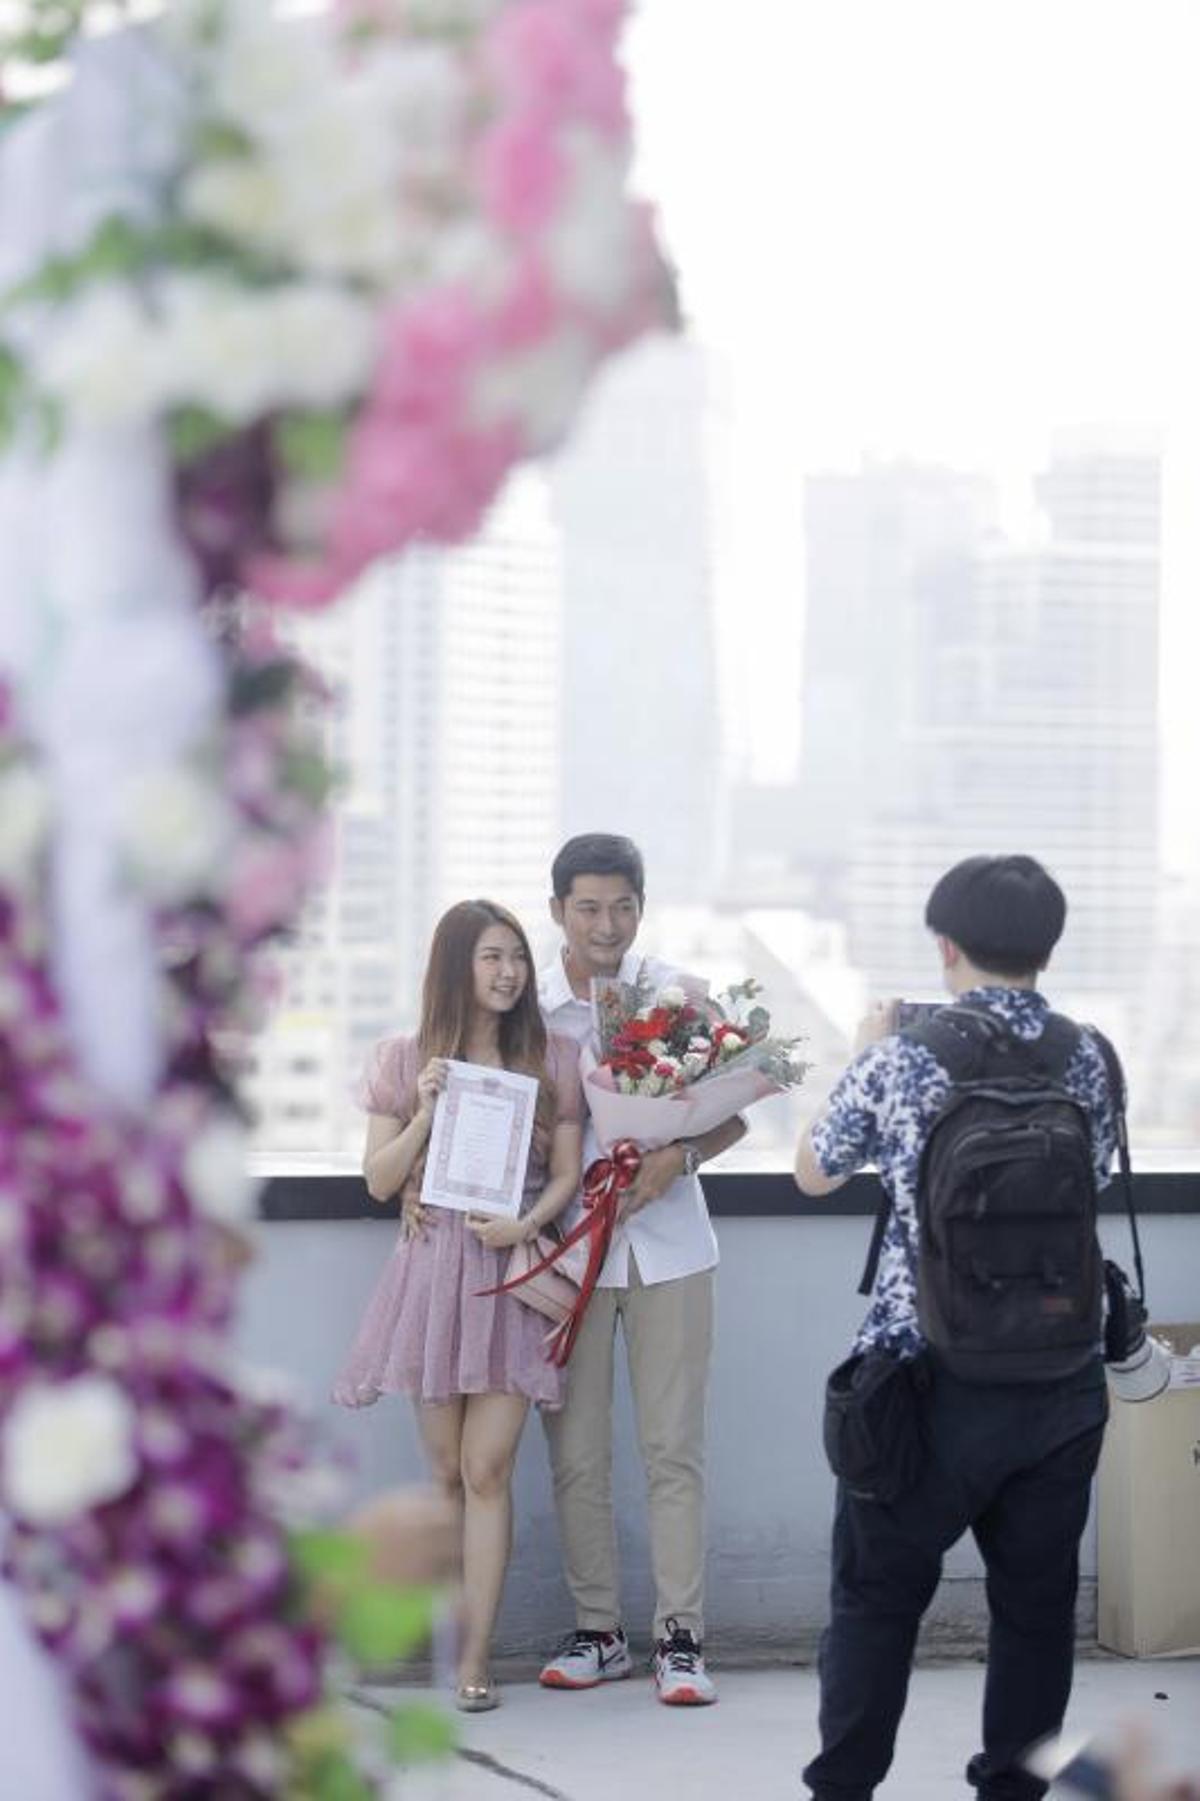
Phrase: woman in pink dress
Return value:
(471, 1362)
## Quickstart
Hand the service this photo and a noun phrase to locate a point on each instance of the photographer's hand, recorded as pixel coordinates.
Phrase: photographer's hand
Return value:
(874, 1025)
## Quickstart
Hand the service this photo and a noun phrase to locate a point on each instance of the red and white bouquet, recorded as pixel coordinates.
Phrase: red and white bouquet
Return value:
(676, 1064)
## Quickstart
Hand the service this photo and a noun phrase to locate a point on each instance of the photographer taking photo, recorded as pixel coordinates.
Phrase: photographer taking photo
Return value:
(975, 1396)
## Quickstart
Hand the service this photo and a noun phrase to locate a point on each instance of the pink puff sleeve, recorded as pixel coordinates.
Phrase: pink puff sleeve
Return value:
(562, 1066)
(388, 1083)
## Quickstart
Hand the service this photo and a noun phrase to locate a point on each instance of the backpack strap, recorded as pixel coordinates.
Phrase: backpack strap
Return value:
(961, 1038)
(1118, 1094)
(961, 1048)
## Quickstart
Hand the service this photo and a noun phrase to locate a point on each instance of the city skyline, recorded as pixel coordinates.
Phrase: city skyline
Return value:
(862, 293)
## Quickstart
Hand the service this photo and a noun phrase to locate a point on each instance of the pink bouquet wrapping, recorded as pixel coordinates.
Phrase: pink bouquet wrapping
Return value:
(681, 1063)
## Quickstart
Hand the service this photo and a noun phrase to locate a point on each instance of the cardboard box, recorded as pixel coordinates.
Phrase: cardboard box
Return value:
(1148, 1515)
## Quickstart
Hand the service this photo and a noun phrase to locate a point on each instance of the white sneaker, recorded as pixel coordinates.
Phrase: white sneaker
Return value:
(586, 1659)
(679, 1673)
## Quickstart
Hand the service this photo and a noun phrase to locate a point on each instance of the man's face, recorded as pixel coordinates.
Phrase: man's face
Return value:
(599, 919)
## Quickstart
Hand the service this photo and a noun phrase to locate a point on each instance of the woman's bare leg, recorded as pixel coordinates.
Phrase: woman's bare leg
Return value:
(491, 1433)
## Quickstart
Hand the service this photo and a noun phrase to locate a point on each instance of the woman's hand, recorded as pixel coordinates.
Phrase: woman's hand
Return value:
(430, 1083)
(500, 1234)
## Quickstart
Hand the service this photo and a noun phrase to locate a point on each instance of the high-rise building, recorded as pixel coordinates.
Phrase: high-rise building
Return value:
(888, 578)
(641, 751)
(1002, 697)
(446, 728)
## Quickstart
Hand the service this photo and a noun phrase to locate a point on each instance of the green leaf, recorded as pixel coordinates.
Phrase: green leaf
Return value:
(758, 1022)
(335, 1779)
(336, 1556)
(265, 685)
(420, 1733)
(311, 446)
(307, 772)
(194, 431)
(221, 137)
(380, 1625)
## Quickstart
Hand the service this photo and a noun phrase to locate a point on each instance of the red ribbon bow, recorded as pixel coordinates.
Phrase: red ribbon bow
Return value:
(604, 1182)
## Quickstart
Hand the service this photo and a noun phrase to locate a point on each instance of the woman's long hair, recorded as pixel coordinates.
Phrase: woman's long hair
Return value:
(448, 1000)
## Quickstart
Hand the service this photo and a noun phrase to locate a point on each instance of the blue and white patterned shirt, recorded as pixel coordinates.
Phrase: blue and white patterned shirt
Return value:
(881, 1112)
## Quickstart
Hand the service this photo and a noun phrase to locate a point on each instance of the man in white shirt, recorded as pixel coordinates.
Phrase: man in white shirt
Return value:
(658, 1281)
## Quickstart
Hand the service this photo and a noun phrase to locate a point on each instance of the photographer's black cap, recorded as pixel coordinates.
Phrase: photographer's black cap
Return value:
(1006, 913)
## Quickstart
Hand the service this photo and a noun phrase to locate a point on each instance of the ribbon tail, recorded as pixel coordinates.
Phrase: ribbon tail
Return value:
(602, 1220)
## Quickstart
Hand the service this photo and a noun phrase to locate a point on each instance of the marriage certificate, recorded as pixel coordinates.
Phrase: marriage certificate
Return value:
(479, 1144)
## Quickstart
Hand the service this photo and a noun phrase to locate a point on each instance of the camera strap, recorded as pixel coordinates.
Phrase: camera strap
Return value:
(1117, 1090)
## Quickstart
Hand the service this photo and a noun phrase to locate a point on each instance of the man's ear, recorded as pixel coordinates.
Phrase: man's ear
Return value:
(949, 951)
(556, 910)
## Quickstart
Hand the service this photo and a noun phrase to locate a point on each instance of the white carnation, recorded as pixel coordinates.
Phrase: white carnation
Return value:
(66, 1449)
(673, 997)
(214, 1170)
(175, 831)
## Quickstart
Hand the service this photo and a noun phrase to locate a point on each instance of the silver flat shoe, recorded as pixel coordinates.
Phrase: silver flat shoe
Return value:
(476, 1697)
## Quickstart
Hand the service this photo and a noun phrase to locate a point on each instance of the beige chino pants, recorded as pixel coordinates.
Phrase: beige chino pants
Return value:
(668, 1340)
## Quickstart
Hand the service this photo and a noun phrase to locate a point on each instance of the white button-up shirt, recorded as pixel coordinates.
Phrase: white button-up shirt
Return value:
(672, 1236)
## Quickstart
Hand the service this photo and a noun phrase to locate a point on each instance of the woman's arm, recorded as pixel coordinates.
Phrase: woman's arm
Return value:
(391, 1153)
(392, 1146)
(562, 1183)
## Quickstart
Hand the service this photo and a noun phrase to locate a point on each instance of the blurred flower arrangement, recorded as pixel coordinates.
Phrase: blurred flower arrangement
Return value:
(278, 296)
(147, 1487)
(369, 262)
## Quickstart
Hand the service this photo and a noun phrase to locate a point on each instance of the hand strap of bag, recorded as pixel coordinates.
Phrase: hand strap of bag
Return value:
(603, 1186)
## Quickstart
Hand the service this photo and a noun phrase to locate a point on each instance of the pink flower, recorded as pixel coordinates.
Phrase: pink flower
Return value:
(521, 174)
(427, 351)
(529, 311)
(265, 888)
(560, 57)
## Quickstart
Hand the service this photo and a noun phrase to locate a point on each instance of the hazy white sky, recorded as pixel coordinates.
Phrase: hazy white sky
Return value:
(935, 227)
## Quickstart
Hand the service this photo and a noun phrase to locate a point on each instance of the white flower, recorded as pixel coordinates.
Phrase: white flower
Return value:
(175, 831)
(591, 245)
(214, 1169)
(694, 1064)
(24, 821)
(66, 1449)
(324, 344)
(235, 194)
(657, 1047)
(673, 997)
(104, 361)
(541, 388)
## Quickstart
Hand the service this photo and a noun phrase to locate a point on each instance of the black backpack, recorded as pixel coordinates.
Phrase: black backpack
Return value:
(1009, 1269)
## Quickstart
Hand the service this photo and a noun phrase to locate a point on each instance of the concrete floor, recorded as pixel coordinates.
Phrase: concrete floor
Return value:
(617, 1744)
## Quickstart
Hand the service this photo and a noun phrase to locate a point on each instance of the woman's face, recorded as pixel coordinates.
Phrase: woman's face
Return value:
(501, 969)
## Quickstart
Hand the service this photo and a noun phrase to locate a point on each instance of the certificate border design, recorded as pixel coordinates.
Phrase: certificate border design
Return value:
(456, 1088)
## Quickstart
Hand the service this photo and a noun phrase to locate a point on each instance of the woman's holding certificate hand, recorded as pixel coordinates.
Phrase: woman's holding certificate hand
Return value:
(471, 1362)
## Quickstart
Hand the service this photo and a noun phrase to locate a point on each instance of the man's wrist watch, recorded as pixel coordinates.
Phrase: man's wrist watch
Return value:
(691, 1155)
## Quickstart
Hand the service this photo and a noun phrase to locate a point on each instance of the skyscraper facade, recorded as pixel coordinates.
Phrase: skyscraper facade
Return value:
(641, 738)
(995, 696)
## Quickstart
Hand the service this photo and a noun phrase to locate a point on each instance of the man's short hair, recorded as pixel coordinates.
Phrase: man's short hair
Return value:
(598, 853)
(1005, 913)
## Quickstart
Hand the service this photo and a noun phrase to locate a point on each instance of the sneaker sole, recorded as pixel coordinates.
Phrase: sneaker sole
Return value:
(686, 1697)
(554, 1680)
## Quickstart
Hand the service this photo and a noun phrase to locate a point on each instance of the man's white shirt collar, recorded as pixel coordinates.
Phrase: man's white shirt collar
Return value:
(555, 986)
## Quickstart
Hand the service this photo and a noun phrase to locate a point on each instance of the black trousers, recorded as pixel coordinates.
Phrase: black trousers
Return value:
(1013, 1464)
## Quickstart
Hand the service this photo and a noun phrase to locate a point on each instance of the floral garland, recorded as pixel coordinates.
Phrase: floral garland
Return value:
(373, 264)
(276, 298)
